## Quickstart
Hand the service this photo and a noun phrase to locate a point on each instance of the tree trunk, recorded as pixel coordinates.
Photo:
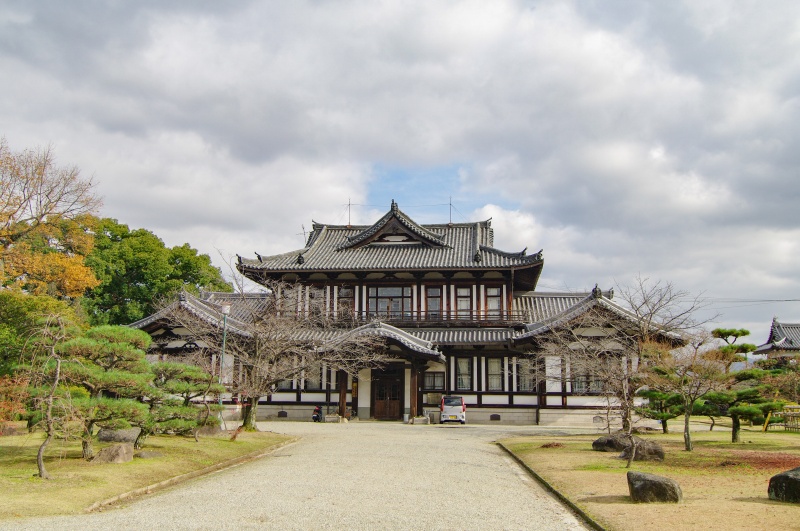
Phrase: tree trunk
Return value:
(687, 436)
(664, 427)
(48, 417)
(735, 428)
(249, 423)
(713, 421)
(342, 381)
(632, 455)
(87, 450)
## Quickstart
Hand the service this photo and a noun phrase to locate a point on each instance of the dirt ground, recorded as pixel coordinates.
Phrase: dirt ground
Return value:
(724, 485)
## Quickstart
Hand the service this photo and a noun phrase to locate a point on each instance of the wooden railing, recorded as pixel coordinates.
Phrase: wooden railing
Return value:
(437, 318)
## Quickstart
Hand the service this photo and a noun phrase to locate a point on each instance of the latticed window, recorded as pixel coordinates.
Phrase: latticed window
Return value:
(464, 303)
(494, 298)
(494, 374)
(463, 374)
(394, 302)
(433, 298)
(434, 381)
(526, 375)
(587, 384)
(313, 376)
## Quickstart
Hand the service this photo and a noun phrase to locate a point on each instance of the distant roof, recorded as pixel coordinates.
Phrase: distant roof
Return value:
(397, 243)
(782, 336)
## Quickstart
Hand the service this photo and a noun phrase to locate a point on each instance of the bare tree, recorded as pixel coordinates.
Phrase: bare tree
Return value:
(276, 336)
(606, 348)
(35, 191)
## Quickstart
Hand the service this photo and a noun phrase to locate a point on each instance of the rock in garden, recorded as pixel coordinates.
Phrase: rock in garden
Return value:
(649, 488)
(785, 486)
(116, 453)
(148, 454)
(645, 451)
(120, 436)
(613, 443)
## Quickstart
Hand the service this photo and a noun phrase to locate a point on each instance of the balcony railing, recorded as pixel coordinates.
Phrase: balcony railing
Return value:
(438, 318)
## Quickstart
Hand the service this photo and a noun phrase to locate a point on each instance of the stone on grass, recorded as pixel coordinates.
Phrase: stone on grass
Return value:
(148, 454)
(785, 486)
(119, 436)
(116, 453)
(645, 451)
(649, 488)
(613, 443)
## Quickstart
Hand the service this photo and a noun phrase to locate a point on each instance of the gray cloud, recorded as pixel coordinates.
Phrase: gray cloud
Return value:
(622, 136)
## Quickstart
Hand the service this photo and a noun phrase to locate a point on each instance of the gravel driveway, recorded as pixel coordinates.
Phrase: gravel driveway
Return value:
(368, 475)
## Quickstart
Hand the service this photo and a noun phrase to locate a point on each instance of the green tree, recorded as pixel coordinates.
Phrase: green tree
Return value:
(136, 270)
(731, 352)
(109, 363)
(660, 406)
(742, 404)
(21, 318)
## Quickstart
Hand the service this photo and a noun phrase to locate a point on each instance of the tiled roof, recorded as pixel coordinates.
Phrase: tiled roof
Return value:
(596, 298)
(782, 336)
(464, 336)
(533, 306)
(462, 246)
(394, 213)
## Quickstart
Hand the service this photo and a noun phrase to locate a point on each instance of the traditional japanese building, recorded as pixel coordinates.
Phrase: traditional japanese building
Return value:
(783, 341)
(459, 316)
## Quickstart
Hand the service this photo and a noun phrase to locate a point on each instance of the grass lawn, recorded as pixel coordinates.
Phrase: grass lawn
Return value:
(77, 484)
(724, 485)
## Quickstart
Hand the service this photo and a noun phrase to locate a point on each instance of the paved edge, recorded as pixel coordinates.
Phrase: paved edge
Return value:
(252, 456)
(577, 510)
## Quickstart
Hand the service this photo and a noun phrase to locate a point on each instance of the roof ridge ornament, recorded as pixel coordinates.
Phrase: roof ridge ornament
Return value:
(394, 206)
(597, 292)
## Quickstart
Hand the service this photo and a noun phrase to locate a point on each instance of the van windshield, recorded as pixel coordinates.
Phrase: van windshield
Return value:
(452, 400)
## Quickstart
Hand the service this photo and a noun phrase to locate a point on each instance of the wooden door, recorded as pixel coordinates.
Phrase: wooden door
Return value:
(387, 397)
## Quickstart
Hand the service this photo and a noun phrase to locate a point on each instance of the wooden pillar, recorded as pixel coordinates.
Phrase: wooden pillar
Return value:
(341, 376)
(414, 388)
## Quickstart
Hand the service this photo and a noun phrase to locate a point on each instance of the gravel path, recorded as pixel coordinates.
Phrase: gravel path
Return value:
(367, 475)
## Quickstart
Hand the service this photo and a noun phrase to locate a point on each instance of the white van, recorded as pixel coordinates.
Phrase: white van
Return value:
(453, 409)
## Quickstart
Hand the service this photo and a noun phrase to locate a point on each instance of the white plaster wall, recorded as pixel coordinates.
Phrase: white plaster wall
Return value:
(528, 400)
(364, 393)
(494, 400)
(552, 368)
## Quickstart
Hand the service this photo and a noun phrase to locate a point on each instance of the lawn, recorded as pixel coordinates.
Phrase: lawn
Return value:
(724, 485)
(77, 484)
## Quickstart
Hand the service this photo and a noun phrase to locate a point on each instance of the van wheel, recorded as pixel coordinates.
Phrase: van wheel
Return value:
(463, 422)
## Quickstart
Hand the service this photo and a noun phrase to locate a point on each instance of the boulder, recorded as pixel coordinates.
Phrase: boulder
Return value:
(645, 451)
(119, 436)
(785, 486)
(116, 453)
(613, 443)
(649, 488)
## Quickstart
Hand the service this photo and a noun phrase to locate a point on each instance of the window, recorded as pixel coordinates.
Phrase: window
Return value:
(284, 385)
(493, 303)
(344, 302)
(464, 303)
(526, 375)
(394, 302)
(434, 381)
(586, 384)
(463, 374)
(314, 377)
(433, 301)
(494, 374)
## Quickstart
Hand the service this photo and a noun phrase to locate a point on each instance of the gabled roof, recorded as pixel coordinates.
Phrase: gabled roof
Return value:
(596, 299)
(782, 336)
(392, 223)
(207, 307)
(397, 243)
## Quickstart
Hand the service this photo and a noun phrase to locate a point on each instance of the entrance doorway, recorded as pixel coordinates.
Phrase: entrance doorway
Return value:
(387, 392)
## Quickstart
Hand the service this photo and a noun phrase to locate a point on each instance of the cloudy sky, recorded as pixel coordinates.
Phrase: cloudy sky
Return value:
(623, 137)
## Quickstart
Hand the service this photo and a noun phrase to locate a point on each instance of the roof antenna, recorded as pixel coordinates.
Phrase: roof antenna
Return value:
(451, 210)
(348, 212)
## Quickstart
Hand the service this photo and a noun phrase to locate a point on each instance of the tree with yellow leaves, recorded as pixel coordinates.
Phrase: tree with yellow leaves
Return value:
(45, 223)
